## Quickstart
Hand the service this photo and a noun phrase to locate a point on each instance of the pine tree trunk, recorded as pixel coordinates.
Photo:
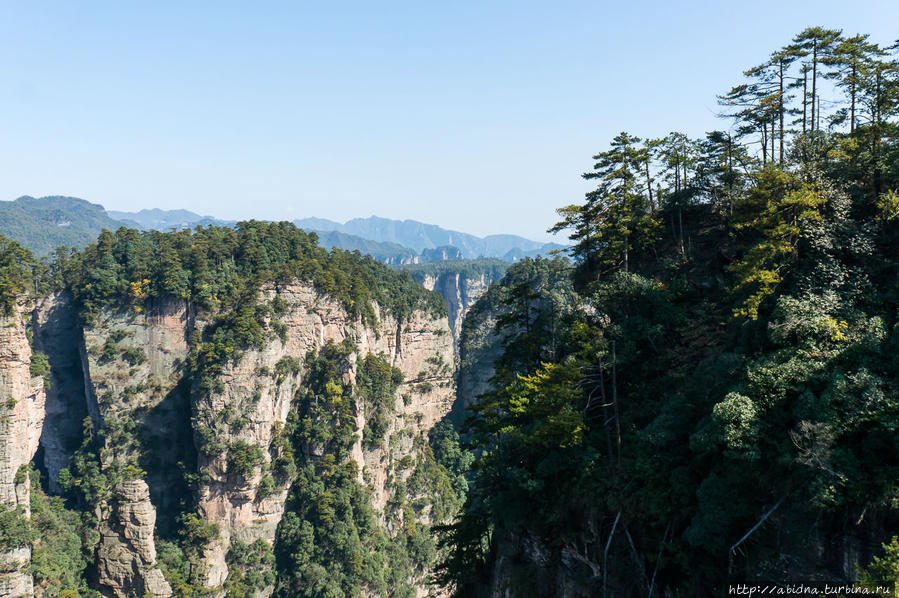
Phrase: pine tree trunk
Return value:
(804, 99)
(852, 101)
(615, 401)
(780, 108)
(605, 419)
(676, 175)
(818, 123)
(773, 135)
(814, 80)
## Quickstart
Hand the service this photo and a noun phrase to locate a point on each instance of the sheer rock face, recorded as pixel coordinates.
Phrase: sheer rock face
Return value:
(415, 346)
(130, 366)
(479, 348)
(21, 418)
(58, 335)
(133, 363)
(460, 293)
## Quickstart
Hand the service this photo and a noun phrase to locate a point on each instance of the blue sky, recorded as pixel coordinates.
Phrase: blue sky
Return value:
(478, 116)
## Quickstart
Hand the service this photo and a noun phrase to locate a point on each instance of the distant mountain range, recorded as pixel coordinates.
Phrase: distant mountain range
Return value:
(49, 222)
(156, 219)
(420, 237)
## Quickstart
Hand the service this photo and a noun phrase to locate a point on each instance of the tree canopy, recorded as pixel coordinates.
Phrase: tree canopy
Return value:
(725, 389)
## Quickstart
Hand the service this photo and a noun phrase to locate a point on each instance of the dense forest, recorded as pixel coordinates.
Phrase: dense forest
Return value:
(708, 392)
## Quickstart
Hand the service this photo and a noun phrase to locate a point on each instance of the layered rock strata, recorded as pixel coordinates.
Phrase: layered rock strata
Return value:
(21, 419)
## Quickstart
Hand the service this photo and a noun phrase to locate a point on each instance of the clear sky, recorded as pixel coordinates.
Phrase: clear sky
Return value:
(478, 116)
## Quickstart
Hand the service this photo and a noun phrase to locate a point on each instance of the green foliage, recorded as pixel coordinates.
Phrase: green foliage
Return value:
(16, 263)
(329, 542)
(40, 367)
(883, 570)
(888, 205)
(93, 472)
(45, 223)
(448, 452)
(110, 351)
(266, 488)
(176, 568)
(616, 219)
(134, 355)
(222, 268)
(286, 366)
(722, 386)
(244, 458)
(489, 268)
(61, 551)
(774, 210)
(180, 561)
(15, 529)
(196, 534)
(710, 382)
(376, 386)
(250, 568)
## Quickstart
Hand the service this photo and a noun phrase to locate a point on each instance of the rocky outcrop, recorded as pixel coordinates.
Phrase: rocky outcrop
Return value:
(125, 376)
(441, 254)
(460, 290)
(21, 418)
(133, 364)
(254, 389)
(127, 553)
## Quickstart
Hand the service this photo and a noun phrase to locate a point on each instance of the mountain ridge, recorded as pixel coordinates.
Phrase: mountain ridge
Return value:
(421, 236)
(43, 224)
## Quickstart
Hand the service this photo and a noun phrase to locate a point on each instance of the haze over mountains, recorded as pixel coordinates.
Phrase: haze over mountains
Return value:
(420, 237)
(42, 224)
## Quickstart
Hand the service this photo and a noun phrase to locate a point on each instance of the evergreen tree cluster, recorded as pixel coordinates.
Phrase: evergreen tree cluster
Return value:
(720, 403)
(222, 268)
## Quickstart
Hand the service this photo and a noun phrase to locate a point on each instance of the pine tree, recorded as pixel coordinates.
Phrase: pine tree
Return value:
(616, 218)
(816, 45)
(851, 58)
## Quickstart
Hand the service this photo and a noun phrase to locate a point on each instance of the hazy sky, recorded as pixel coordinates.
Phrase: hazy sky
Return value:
(478, 116)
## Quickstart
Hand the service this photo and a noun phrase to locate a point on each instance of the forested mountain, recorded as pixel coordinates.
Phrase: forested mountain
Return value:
(709, 393)
(387, 253)
(163, 220)
(43, 224)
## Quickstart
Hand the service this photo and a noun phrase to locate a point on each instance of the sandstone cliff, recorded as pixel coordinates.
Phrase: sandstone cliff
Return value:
(58, 335)
(133, 364)
(233, 500)
(127, 372)
(459, 288)
(21, 418)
